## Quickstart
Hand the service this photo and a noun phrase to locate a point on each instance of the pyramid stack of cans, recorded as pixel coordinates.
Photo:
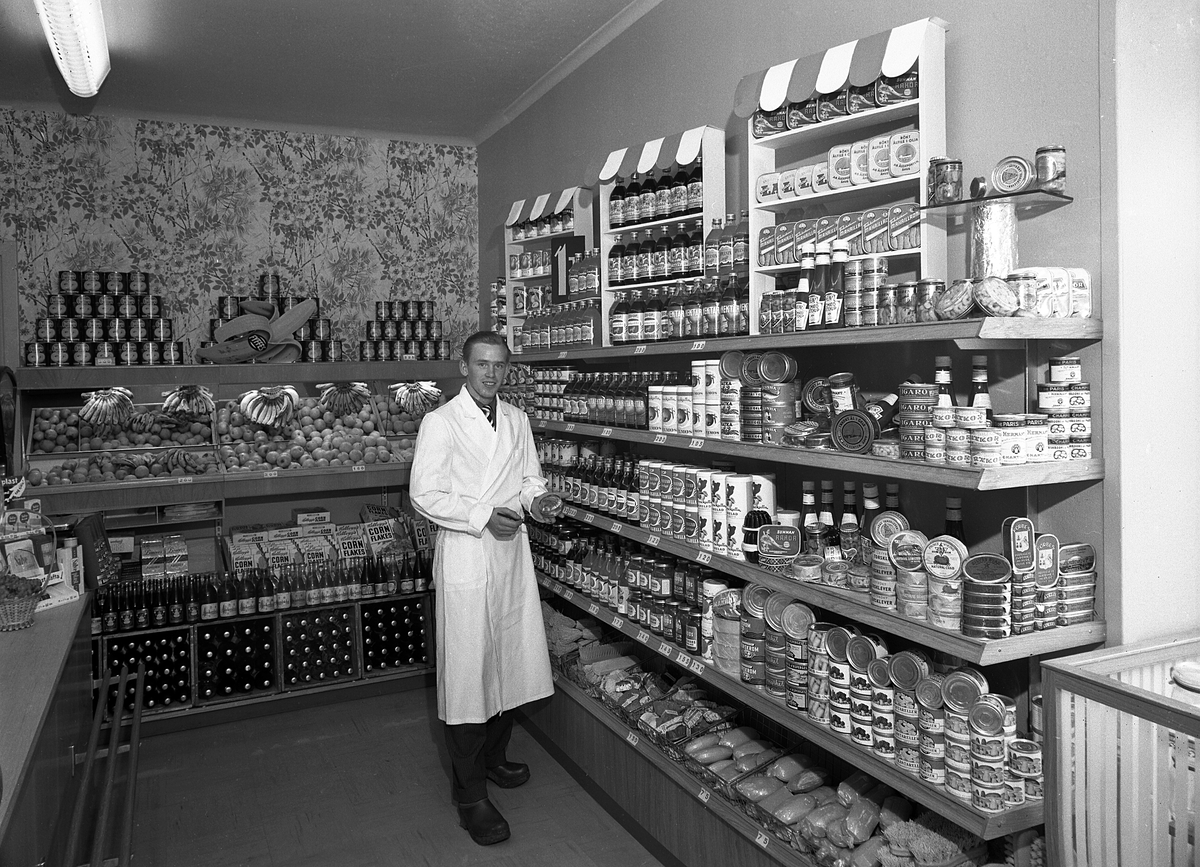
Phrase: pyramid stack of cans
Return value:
(404, 331)
(103, 319)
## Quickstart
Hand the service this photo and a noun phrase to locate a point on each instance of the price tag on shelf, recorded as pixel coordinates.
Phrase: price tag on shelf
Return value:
(696, 443)
(554, 675)
(640, 349)
(618, 622)
(615, 527)
(570, 511)
(664, 648)
(703, 557)
(593, 608)
(697, 666)
(541, 423)
(606, 432)
(562, 354)
(683, 659)
(643, 636)
(589, 518)
(652, 540)
(704, 795)
(697, 345)
(186, 480)
(633, 739)
(568, 595)
(271, 474)
(659, 439)
(570, 426)
(762, 839)
(359, 468)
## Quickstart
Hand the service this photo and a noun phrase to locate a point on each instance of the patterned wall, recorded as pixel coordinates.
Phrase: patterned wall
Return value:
(208, 209)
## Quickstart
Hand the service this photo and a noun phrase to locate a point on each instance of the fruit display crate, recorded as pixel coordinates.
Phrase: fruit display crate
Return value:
(396, 634)
(58, 430)
(319, 647)
(106, 469)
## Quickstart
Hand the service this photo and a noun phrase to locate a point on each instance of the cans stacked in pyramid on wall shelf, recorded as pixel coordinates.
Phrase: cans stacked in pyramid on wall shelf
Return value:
(404, 331)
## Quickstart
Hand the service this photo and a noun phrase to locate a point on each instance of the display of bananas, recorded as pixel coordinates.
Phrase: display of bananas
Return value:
(273, 405)
(108, 407)
(415, 397)
(344, 398)
(189, 400)
(177, 458)
(142, 422)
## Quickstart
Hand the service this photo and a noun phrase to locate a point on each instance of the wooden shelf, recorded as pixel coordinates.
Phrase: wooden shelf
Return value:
(999, 478)
(987, 825)
(840, 127)
(625, 228)
(58, 499)
(997, 331)
(76, 378)
(724, 810)
(855, 606)
(541, 239)
(889, 185)
(649, 284)
(795, 266)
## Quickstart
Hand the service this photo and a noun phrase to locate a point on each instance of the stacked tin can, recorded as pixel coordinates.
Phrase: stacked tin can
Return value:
(987, 596)
(883, 570)
(753, 632)
(960, 689)
(1023, 549)
(837, 645)
(796, 619)
(730, 368)
(1073, 597)
(943, 558)
(404, 331)
(1066, 400)
(103, 319)
(776, 644)
(751, 398)
(931, 729)
(818, 673)
(883, 719)
(992, 720)
(726, 639)
(906, 549)
(779, 393)
(907, 669)
(862, 651)
(915, 416)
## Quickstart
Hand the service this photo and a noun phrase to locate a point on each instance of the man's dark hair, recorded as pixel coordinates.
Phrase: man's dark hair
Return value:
(490, 338)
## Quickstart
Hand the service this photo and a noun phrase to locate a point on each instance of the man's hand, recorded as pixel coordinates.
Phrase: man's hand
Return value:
(504, 523)
(546, 507)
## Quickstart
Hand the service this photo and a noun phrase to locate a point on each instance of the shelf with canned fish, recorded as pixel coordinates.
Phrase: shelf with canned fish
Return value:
(990, 331)
(991, 479)
(986, 825)
(854, 606)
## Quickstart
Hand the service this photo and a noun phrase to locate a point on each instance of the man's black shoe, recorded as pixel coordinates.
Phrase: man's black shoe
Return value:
(483, 822)
(509, 775)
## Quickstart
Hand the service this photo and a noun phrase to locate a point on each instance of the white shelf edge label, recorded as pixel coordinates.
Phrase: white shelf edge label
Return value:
(704, 795)
(562, 354)
(659, 439)
(697, 666)
(271, 474)
(697, 345)
(632, 738)
(618, 622)
(593, 608)
(683, 659)
(186, 480)
(696, 443)
(570, 426)
(640, 349)
(703, 557)
(762, 839)
(589, 518)
(607, 432)
(615, 527)
(664, 648)
(359, 468)
(643, 636)
(569, 594)
(652, 540)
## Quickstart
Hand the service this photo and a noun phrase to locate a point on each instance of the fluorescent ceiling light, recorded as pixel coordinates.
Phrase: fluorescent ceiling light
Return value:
(75, 31)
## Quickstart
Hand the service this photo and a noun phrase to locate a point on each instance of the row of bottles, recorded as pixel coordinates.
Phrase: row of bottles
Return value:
(394, 635)
(168, 668)
(318, 646)
(816, 301)
(583, 275)
(980, 396)
(609, 399)
(645, 256)
(650, 196)
(576, 323)
(126, 606)
(711, 307)
(235, 659)
(607, 485)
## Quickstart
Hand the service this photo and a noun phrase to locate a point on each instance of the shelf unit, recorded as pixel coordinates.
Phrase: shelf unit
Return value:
(992, 479)
(705, 142)
(578, 200)
(806, 145)
(987, 825)
(855, 606)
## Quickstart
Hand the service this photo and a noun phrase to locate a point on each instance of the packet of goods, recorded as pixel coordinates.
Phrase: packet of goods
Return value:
(904, 227)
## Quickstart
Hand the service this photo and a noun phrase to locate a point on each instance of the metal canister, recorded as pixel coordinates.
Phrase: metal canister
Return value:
(58, 305)
(435, 329)
(404, 329)
(37, 354)
(104, 354)
(162, 329)
(366, 350)
(428, 350)
(151, 306)
(268, 286)
(420, 329)
(312, 350)
(425, 309)
(391, 330)
(59, 354)
(1051, 163)
(81, 354)
(322, 329)
(172, 352)
(93, 329)
(374, 330)
(69, 329)
(412, 349)
(137, 283)
(127, 353)
(116, 329)
(137, 329)
(304, 331)
(383, 309)
(81, 306)
(92, 282)
(105, 305)
(228, 307)
(128, 307)
(46, 330)
(385, 350)
(887, 308)
(443, 353)
(68, 282)
(334, 351)
(150, 352)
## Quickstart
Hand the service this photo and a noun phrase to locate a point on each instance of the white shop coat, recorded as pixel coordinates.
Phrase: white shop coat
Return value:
(491, 642)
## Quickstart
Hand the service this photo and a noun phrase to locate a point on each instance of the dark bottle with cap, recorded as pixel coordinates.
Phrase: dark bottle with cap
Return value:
(808, 509)
(818, 286)
(979, 384)
(836, 286)
(954, 519)
(941, 376)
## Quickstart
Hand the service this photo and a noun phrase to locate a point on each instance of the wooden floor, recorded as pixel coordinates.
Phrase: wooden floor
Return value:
(362, 782)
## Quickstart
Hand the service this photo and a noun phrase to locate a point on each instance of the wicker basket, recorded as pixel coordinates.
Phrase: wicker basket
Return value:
(17, 613)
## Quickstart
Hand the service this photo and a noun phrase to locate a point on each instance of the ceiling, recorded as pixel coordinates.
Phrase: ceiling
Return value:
(454, 70)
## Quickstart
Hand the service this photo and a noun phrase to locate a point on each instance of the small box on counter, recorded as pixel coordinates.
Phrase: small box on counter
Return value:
(249, 535)
(381, 535)
(301, 517)
(317, 531)
(373, 512)
(284, 533)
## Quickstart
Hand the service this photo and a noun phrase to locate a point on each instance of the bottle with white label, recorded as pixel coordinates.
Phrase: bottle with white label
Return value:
(979, 384)
(617, 318)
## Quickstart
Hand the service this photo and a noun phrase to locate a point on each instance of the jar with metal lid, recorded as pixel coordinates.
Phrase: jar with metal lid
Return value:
(887, 312)
(928, 293)
(945, 180)
(906, 304)
(1051, 162)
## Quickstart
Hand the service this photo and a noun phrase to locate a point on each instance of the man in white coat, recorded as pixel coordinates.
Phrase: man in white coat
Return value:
(474, 470)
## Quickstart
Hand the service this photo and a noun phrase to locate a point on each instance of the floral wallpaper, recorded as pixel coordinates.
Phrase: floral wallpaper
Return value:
(206, 210)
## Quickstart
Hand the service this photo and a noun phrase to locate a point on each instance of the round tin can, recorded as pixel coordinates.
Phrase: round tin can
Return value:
(162, 329)
(104, 354)
(151, 306)
(1014, 791)
(58, 306)
(46, 330)
(986, 799)
(137, 282)
(958, 753)
(116, 329)
(839, 719)
(933, 770)
(93, 329)
(958, 784)
(1053, 396)
(137, 329)
(1050, 163)
(1079, 424)
(105, 305)
(435, 329)
(68, 282)
(127, 352)
(321, 330)
(115, 282)
(960, 689)
(334, 351)
(92, 281)
(383, 310)
(818, 709)
(81, 354)
(313, 350)
(1079, 396)
(391, 330)
(883, 744)
(1080, 449)
(908, 758)
(428, 350)
(81, 306)
(304, 331)
(228, 307)
(1066, 368)
(1024, 758)
(59, 354)
(366, 350)
(385, 350)
(420, 329)
(374, 331)
(424, 309)
(172, 352)
(1034, 789)
(150, 352)
(37, 354)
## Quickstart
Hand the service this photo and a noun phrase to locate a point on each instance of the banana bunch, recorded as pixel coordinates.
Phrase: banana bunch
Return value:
(128, 460)
(141, 422)
(344, 398)
(273, 405)
(415, 397)
(177, 458)
(108, 407)
(189, 400)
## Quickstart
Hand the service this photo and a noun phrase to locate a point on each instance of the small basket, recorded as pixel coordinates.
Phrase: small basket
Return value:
(672, 747)
(17, 613)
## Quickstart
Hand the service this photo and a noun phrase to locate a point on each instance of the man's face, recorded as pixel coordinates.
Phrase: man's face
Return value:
(484, 369)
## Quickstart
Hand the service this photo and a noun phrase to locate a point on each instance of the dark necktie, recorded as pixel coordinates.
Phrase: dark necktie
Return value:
(487, 411)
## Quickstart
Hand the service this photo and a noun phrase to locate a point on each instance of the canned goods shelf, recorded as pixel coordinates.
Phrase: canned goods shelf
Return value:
(965, 332)
(75, 378)
(541, 239)
(992, 479)
(987, 825)
(893, 186)
(852, 605)
(838, 128)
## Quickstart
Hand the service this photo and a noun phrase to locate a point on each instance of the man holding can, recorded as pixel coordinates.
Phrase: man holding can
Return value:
(474, 470)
